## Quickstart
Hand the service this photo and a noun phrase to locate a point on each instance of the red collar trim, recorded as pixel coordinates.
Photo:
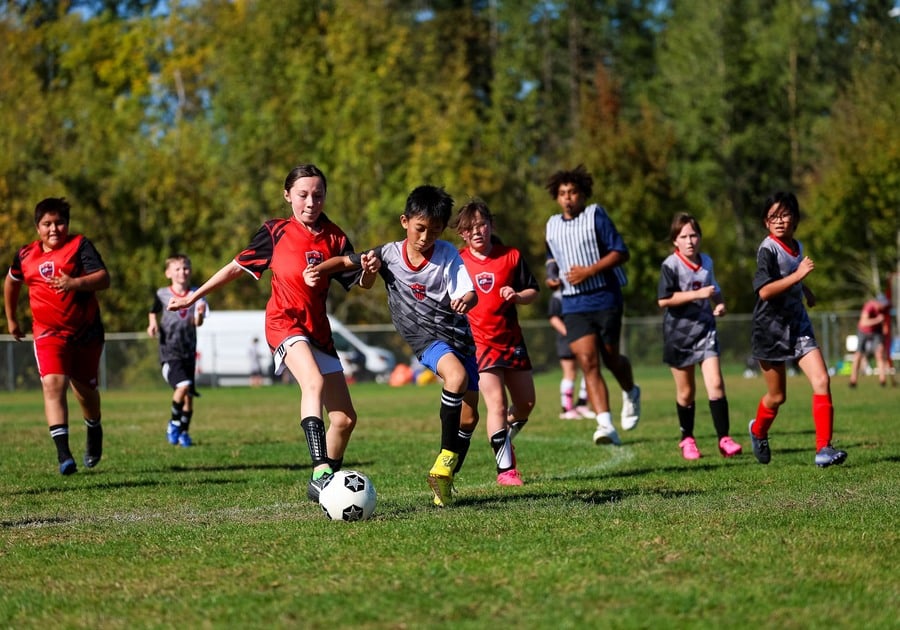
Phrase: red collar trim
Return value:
(793, 249)
(687, 261)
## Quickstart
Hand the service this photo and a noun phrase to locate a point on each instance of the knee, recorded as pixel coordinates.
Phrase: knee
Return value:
(343, 422)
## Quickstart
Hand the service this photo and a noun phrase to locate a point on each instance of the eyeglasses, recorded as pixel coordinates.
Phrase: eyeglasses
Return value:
(779, 218)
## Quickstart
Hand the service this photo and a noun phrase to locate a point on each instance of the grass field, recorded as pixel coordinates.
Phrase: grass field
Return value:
(221, 534)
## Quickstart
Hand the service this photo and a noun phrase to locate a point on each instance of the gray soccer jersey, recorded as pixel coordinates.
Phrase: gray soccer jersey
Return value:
(781, 327)
(177, 333)
(419, 298)
(689, 330)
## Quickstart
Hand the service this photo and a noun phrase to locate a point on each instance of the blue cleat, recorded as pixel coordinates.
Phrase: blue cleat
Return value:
(828, 456)
(760, 446)
(184, 439)
(173, 432)
(68, 467)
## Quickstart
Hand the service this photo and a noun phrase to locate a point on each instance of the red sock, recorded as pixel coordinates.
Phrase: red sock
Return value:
(764, 419)
(823, 417)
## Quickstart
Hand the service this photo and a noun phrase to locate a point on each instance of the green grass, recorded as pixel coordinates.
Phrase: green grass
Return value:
(221, 535)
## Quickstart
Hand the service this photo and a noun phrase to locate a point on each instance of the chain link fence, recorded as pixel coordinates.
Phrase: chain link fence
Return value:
(130, 359)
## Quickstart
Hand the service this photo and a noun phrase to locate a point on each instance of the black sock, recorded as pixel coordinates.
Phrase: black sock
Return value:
(462, 446)
(451, 411)
(94, 438)
(185, 420)
(314, 428)
(516, 426)
(335, 464)
(176, 412)
(719, 410)
(60, 435)
(686, 420)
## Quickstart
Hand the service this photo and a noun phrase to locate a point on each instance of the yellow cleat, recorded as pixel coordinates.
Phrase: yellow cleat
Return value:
(440, 477)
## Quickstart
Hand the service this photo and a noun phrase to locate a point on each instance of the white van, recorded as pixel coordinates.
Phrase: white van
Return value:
(225, 341)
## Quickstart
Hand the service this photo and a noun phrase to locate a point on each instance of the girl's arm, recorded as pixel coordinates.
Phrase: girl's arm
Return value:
(222, 277)
(777, 287)
(683, 297)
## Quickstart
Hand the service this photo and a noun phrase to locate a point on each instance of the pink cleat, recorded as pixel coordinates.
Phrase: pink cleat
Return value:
(728, 447)
(571, 414)
(510, 478)
(689, 448)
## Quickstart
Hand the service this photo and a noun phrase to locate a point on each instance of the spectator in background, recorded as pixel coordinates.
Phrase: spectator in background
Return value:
(874, 318)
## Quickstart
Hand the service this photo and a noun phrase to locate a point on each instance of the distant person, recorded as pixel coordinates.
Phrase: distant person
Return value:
(692, 300)
(571, 407)
(583, 242)
(871, 342)
(177, 332)
(429, 294)
(782, 330)
(63, 272)
(502, 279)
(256, 371)
(297, 328)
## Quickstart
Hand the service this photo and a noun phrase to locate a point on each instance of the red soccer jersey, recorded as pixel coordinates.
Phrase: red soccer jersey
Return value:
(287, 247)
(63, 313)
(494, 321)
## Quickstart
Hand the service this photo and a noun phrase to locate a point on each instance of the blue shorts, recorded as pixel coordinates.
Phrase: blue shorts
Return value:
(438, 349)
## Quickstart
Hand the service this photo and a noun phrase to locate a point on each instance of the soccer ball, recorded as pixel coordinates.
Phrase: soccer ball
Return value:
(348, 496)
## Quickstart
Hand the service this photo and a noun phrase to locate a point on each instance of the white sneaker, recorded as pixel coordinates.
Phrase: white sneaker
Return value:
(606, 435)
(631, 408)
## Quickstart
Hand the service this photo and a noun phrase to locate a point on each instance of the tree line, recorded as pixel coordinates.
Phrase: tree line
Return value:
(170, 126)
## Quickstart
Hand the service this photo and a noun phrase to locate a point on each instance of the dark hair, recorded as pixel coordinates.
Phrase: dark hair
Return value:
(681, 219)
(579, 176)
(429, 202)
(784, 201)
(304, 170)
(59, 205)
(468, 214)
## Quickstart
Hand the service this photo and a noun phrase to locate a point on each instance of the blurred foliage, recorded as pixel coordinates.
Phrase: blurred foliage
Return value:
(170, 126)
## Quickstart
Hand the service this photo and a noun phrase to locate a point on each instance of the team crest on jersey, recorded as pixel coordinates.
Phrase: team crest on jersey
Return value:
(418, 291)
(314, 258)
(47, 269)
(696, 285)
(485, 281)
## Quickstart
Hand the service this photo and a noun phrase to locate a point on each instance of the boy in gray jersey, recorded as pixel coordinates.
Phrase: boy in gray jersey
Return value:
(177, 331)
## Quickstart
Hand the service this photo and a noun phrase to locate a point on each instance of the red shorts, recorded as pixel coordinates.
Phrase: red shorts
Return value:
(513, 358)
(77, 359)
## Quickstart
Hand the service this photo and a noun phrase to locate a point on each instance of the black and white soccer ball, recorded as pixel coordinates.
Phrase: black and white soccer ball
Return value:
(348, 496)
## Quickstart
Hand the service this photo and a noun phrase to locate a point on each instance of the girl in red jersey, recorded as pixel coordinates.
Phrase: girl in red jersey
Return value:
(62, 271)
(297, 328)
(502, 279)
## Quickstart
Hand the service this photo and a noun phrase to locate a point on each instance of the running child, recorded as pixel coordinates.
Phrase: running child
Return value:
(571, 408)
(177, 331)
(692, 299)
(502, 280)
(63, 272)
(782, 330)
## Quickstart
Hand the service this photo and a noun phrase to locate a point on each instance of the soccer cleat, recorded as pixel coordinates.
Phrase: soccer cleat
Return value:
(689, 448)
(314, 488)
(184, 439)
(571, 414)
(172, 433)
(510, 477)
(440, 477)
(68, 467)
(729, 448)
(631, 408)
(828, 456)
(585, 412)
(606, 435)
(760, 446)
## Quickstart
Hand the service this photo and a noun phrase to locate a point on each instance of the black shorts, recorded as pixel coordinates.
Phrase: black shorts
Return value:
(606, 325)
(180, 373)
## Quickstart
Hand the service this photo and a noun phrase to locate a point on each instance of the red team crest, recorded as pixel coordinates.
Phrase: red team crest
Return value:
(46, 269)
(418, 290)
(314, 258)
(485, 281)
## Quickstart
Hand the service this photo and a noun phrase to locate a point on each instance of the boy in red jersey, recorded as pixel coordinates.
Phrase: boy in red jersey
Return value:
(502, 279)
(62, 271)
(297, 328)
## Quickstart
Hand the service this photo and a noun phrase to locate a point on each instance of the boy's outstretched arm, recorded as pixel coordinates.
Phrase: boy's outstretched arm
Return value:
(464, 304)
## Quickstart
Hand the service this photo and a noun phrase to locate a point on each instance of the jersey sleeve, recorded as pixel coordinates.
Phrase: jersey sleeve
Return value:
(766, 268)
(351, 277)
(668, 282)
(607, 234)
(459, 281)
(157, 306)
(257, 256)
(89, 257)
(15, 269)
(523, 277)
